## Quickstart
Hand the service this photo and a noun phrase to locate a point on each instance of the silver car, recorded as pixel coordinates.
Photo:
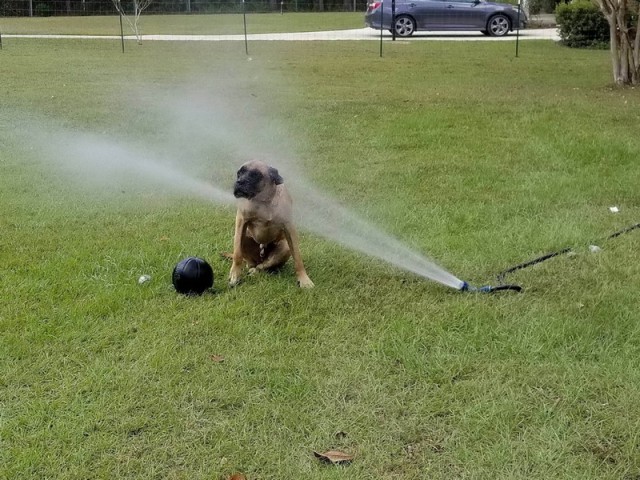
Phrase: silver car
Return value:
(494, 19)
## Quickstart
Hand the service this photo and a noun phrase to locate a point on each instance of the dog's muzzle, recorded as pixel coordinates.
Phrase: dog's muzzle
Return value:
(241, 191)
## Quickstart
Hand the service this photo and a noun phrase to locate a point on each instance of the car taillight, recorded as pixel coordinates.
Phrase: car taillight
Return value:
(373, 5)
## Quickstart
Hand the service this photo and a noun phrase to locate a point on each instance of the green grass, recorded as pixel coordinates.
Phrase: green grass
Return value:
(222, 24)
(473, 156)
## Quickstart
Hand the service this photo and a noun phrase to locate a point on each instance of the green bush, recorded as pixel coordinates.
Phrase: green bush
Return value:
(582, 25)
(542, 6)
(43, 10)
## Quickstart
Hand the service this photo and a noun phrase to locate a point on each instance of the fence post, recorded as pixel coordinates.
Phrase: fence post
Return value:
(393, 20)
(518, 31)
(244, 20)
(121, 33)
(381, 24)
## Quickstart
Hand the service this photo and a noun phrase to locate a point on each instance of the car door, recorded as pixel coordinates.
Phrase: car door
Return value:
(463, 14)
(429, 14)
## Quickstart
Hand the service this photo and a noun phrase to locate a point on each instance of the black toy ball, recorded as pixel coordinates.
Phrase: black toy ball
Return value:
(192, 276)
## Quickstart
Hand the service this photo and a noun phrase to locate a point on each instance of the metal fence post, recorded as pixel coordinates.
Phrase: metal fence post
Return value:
(244, 20)
(518, 31)
(121, 33)
(381, 24)
(393, 20)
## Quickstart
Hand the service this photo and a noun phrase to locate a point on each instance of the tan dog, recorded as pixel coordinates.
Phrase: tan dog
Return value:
(265, 236)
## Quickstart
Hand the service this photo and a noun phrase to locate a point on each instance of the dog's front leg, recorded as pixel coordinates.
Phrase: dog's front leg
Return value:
(236, 266)
(292, 239)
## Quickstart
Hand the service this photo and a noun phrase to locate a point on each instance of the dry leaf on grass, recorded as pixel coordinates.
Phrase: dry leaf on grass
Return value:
(334, 457)
(237, 476)
(217, 358)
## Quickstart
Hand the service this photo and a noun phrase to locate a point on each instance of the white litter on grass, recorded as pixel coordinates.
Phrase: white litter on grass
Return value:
(594, 249)
(614, 209)
(144, 279)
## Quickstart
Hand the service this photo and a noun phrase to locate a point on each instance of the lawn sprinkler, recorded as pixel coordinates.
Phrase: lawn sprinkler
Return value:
(488, 288)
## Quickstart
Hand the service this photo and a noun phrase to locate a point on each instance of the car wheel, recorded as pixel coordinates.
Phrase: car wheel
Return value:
(404, 26)
(498, 25)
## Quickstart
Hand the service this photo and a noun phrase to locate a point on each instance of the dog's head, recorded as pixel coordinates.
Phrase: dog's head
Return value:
(256, 178)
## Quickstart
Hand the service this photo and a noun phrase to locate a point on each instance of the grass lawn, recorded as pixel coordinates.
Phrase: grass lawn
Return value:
(470, 155)
(222, 24)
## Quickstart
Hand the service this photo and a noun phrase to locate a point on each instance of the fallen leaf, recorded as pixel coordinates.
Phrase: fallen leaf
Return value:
(334, 457)
(340, 435)
(217, 358)
(237, 476)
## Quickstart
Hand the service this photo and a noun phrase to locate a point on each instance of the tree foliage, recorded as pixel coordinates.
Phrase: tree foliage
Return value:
(134, 21)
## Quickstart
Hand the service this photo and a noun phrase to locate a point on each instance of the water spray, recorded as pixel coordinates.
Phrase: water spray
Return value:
(109, 161)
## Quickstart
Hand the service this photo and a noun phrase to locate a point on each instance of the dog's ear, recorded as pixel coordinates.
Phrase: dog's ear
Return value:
(275, 176)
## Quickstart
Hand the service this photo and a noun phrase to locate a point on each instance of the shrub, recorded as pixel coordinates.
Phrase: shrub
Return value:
(582, 25)
(542, 6)
(43, 10)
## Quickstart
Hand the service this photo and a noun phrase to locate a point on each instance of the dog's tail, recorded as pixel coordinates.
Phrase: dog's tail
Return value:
(227, 255)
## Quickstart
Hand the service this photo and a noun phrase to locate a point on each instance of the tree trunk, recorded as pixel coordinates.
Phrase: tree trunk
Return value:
(615, 58)
(636, 55)
(624, 42)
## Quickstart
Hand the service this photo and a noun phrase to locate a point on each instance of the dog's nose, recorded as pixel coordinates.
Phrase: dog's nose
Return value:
(238, 190)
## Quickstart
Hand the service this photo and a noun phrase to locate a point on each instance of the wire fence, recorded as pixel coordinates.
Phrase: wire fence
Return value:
(388, 19)
(46, 8)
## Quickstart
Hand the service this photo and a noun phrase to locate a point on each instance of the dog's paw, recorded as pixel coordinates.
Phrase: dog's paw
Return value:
(234, 277)
(305, 282)
(253, 271)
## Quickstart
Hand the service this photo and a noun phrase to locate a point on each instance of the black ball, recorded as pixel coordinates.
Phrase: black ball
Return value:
(192, 276)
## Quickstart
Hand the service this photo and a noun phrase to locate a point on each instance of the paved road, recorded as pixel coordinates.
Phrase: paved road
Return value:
(354, 34)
